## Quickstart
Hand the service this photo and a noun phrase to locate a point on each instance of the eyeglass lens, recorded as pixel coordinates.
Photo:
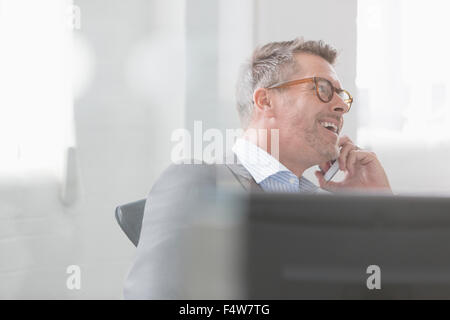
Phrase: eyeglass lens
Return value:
(325, 91)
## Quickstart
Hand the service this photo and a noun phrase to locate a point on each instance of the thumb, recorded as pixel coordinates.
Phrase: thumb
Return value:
(330, 185)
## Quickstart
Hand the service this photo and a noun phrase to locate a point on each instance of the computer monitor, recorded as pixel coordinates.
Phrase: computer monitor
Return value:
(291, 246)
(347, 247)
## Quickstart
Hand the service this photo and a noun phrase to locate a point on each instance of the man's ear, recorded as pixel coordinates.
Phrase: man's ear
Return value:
(262, 100)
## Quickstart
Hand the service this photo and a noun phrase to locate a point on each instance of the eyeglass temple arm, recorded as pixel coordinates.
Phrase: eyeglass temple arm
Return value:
(289, 83)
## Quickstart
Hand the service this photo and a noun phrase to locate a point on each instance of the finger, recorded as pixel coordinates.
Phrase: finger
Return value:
(325, 166)
(330, 185)
(359, 156)
(365, 157)
(343, 140)
(351, 161)
(344, 154)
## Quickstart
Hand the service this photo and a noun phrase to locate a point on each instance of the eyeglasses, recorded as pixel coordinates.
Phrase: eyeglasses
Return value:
(324, 89)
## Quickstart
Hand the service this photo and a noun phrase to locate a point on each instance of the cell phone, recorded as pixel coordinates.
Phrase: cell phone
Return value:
(332, 171)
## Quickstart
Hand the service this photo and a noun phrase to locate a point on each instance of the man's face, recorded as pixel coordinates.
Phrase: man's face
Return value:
(301, 116)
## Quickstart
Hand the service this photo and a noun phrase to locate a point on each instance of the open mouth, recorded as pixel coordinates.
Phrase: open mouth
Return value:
(329, 126)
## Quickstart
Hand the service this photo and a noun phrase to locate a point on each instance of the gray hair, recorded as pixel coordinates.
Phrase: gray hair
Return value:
(270, 64)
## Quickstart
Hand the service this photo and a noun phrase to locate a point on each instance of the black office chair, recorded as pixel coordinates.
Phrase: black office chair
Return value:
(129, 216)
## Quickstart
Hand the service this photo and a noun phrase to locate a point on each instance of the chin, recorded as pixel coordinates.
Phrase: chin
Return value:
(329, 153)
(325, 149)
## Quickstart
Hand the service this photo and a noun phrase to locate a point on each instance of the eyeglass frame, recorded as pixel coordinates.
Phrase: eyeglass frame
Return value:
(290, 83)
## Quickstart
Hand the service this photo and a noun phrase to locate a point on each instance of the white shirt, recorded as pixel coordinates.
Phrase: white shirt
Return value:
(268, 172)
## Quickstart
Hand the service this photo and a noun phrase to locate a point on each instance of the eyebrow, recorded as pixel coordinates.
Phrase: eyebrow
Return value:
(326, 77)
(339, 87)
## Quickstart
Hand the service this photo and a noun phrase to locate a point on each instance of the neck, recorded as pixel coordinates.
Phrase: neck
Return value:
(267, 140)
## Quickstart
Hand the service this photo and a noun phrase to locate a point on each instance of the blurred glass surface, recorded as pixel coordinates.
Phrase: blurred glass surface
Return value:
(87, 114)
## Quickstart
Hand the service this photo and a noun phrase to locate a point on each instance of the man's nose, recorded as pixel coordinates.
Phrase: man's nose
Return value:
(338, 105)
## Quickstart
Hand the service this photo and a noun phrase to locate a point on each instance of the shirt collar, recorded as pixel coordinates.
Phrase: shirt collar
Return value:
(257, 161)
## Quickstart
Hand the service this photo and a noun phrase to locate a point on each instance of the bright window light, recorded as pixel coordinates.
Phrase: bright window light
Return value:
(402, 71)
(36, 113)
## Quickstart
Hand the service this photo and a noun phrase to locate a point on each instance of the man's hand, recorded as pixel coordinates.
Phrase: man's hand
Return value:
(363, 170)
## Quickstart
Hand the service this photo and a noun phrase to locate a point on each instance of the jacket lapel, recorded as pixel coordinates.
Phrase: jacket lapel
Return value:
(244, 177)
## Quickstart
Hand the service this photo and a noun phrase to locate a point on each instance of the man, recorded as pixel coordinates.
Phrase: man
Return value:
(290, 87)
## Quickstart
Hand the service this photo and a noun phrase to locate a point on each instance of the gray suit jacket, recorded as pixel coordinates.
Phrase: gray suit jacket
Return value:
(157, 263)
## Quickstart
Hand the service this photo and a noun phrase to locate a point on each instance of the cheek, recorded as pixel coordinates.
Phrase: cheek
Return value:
(304, 120)
(298, 128)
(298, 115)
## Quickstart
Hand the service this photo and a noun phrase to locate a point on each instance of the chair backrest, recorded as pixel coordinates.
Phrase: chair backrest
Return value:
(129, 216)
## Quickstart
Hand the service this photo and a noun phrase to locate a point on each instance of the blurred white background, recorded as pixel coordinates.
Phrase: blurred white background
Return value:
(87, 114)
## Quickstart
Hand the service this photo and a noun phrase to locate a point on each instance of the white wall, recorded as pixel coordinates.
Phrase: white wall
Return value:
(122, 144)
(124, 123)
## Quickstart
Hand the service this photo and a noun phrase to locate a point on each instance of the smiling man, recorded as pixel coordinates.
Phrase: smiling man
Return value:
(290, 87)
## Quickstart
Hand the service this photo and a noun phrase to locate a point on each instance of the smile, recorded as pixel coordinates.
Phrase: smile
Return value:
(329, 126)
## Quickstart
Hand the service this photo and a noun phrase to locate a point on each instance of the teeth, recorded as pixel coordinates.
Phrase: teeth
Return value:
(329, 124)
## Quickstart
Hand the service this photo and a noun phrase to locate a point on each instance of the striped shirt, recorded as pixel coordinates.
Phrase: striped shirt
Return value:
(268, 172)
